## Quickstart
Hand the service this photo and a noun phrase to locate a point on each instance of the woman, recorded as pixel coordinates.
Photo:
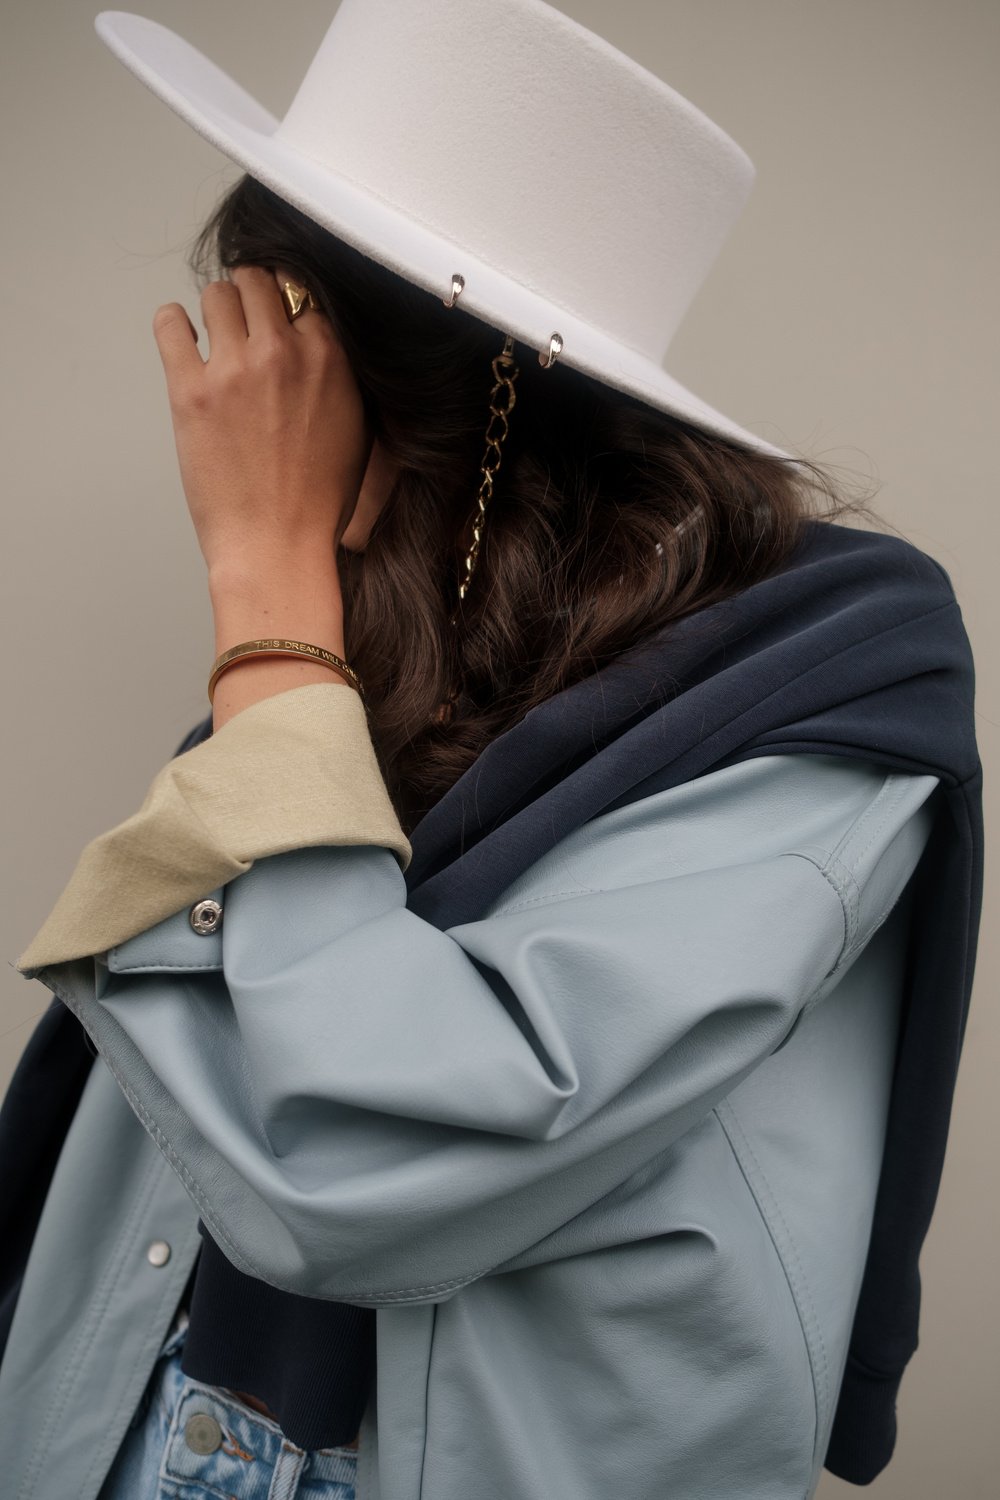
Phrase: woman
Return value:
(514, 1008)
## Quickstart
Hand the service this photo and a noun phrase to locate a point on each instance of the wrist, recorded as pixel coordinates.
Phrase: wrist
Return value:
(250, 578)
(291, 596)
(249, 682)
(299, 599)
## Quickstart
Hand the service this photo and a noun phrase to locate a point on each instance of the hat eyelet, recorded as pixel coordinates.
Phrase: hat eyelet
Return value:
(457, 288)
(547, 358)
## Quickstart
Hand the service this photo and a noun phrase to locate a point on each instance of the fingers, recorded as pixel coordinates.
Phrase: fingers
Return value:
(222, 314)
(263, 308)
(177, 340)
(249, 306)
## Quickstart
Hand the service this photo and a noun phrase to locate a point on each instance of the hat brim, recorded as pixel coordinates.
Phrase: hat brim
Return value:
(222, 111)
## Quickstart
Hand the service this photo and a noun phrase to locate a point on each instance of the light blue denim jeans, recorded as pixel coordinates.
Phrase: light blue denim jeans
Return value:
(190, 1439)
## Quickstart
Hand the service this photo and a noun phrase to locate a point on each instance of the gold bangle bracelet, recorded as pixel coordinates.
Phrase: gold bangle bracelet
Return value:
(281, 647)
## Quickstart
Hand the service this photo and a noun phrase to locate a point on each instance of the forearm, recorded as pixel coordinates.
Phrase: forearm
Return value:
(295, 596)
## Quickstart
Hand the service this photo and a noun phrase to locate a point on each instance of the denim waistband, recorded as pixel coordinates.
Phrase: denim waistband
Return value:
(213, 1439)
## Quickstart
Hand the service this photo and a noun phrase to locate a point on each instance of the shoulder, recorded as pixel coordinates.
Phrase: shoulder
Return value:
(887, 558)
(854, 821)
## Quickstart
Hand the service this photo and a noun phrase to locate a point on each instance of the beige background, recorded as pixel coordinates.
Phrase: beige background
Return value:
(853, 314)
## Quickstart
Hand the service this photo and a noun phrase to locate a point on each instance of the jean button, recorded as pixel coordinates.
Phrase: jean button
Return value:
(202, 1433)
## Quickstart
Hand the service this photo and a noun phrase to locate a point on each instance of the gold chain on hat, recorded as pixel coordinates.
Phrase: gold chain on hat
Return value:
(505, 372)
(297, 299)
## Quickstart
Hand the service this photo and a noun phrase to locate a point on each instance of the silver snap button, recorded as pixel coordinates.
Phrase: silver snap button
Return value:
(158, 1253)
(206, 916)
(202, 1433)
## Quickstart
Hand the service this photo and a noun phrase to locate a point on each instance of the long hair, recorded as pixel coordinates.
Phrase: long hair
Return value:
(609, 519)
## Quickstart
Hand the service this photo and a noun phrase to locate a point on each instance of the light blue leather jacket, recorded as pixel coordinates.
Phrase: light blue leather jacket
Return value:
(604, 1161)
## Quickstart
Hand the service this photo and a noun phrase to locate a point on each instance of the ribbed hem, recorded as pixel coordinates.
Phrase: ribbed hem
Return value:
(864, 1427)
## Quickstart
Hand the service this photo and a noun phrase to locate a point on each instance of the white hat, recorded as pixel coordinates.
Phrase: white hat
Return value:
(580, 199)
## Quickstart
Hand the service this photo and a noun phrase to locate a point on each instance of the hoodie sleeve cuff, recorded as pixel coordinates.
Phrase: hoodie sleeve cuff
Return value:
(863, 1435)
(294, 770)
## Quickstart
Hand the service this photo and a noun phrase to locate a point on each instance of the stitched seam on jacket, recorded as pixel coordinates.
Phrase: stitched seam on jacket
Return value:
(580, 890)
(197, 1193)
(790, 1264)
(888, 796)
(874, 807)
(158, 968)
(94, 1315)
(827, 863)
(842, 882)
(427, 1402)
(155, 968)
(892, 791)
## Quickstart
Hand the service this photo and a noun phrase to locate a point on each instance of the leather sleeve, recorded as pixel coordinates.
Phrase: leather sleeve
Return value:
(369, 1109)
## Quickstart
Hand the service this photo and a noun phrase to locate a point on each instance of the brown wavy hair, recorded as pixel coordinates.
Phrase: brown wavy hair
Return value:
(609, 519)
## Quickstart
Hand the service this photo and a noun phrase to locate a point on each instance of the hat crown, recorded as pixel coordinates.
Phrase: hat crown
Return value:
(581, 200)
(532, 143)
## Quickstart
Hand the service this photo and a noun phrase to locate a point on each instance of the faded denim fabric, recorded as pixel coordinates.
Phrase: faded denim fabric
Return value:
(254, 1460)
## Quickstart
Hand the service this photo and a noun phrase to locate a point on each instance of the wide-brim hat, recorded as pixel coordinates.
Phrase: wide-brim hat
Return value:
(497, 154)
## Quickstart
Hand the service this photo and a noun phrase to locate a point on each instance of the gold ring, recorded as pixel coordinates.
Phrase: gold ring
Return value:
(297, 298)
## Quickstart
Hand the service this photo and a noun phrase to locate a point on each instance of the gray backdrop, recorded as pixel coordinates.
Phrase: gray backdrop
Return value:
(853, 314)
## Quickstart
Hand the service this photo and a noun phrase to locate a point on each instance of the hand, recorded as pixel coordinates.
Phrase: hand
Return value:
(270, 430)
